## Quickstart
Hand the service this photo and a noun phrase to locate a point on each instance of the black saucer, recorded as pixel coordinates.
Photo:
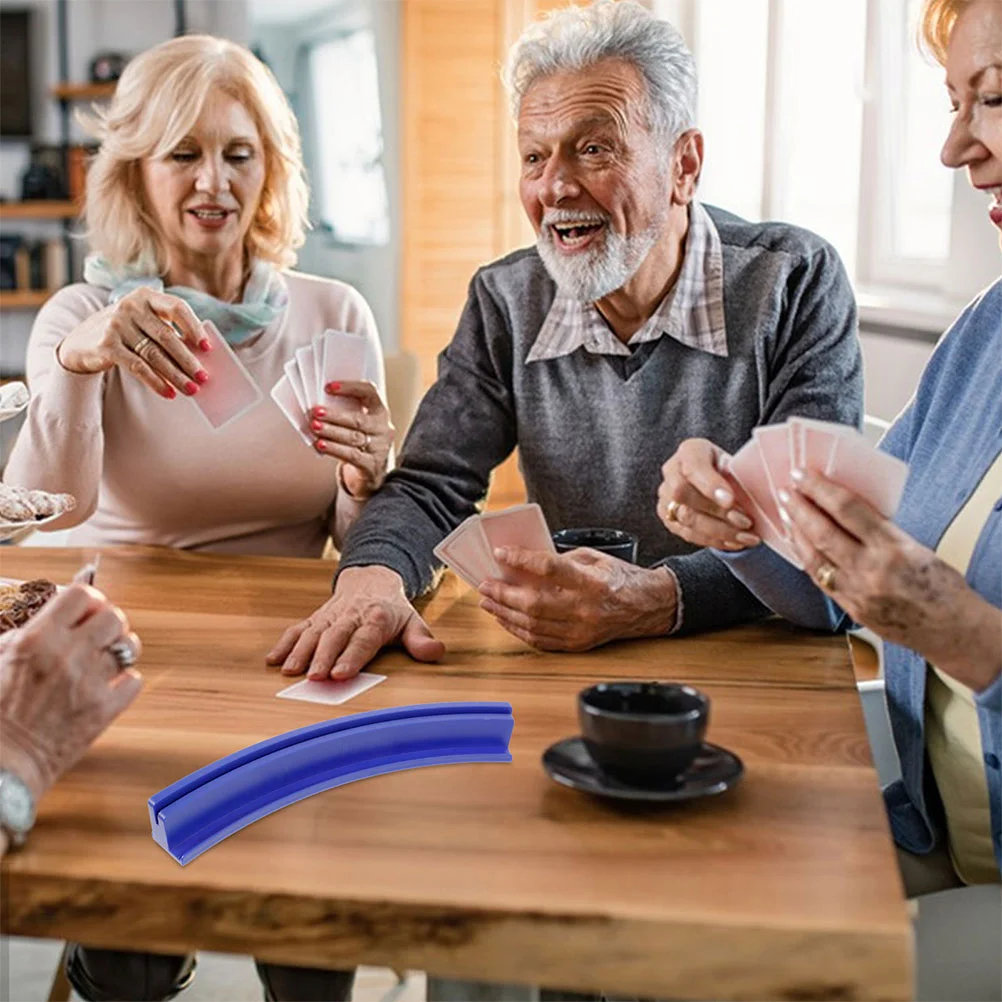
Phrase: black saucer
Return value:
(714, 770)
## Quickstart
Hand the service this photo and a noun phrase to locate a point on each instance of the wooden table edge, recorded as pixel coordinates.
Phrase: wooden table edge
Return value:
(651, 958)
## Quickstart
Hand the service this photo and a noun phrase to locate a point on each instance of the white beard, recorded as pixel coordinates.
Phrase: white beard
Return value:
(595, 273)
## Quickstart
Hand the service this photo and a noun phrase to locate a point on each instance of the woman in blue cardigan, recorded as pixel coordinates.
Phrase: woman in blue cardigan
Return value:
(930, 582)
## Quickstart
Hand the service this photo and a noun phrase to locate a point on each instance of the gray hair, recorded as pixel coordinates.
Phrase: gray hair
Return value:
(574, 38)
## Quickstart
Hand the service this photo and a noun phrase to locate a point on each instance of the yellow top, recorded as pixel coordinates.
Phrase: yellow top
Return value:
(953, 735)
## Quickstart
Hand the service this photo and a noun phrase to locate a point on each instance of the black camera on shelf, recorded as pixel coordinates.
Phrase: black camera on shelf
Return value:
(45, 178)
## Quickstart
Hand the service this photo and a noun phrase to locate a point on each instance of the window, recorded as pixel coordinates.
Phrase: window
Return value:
(349, 180)
(822, 113)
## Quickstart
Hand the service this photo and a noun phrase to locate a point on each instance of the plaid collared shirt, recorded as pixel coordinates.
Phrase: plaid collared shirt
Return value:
(692, 312)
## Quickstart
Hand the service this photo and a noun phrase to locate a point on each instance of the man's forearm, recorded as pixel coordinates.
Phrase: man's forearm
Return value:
(655, 602)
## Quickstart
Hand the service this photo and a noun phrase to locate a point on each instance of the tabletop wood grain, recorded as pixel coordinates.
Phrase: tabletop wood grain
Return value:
(786, 887)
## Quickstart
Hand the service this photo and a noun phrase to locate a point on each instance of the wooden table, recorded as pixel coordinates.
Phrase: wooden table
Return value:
(784, 888)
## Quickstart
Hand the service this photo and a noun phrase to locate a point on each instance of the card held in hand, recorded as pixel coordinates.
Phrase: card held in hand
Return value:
(466, 551)
(230, 391)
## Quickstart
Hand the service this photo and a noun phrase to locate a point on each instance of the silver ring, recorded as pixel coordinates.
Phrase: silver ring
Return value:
(365, 443)
(124, 653)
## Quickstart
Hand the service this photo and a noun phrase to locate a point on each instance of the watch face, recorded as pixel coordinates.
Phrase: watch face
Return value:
(15, 803)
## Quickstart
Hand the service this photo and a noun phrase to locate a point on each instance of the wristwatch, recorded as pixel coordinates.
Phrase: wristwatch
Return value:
(17, 808)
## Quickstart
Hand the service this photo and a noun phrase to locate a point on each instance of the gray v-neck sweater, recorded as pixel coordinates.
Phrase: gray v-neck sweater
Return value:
(593, 431)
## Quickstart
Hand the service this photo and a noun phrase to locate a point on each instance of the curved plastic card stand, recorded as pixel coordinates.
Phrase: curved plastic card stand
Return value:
(196, 812)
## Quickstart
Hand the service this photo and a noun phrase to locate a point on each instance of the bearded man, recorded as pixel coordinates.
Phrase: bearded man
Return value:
(641, 318)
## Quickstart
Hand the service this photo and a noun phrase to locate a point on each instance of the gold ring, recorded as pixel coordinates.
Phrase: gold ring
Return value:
(825, 577)
(671, 510)
(142, 345)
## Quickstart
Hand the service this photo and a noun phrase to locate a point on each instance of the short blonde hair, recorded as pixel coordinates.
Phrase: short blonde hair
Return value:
(157, 102)
(936, 25)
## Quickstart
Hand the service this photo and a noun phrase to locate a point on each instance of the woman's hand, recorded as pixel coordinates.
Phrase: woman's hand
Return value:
(886, 580)
(697, 504)
(355, 428)
(136, 334)
(60, 686)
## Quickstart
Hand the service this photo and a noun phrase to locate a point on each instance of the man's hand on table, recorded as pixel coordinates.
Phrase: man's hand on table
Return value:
(579, 600)
(368, 610)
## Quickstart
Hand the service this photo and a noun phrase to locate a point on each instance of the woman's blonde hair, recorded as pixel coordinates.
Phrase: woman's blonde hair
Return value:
(936, 25)
(156, 104)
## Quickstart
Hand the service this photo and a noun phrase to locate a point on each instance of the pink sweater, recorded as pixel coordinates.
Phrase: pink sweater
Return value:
(148, 470)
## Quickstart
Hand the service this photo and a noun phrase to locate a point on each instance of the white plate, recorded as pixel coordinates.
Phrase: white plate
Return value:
(13, 399)
(7, 529)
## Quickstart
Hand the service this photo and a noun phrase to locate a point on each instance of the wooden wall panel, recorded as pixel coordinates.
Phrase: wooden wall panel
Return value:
(460, 170)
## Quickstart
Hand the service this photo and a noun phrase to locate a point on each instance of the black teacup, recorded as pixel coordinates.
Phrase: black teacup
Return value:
(645, 733)
(615, 542)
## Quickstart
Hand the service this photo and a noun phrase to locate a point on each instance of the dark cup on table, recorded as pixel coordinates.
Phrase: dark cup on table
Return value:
(643, 733)
(614, 542)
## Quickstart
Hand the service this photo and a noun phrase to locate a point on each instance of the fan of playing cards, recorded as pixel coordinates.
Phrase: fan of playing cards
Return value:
(469, 549)
(330, 357)
(762, 467)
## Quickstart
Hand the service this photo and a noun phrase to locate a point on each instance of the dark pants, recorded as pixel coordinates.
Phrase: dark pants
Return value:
(124, 976)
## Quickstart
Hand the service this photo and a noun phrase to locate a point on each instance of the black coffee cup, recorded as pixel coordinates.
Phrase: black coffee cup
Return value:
(615, 542)
(644, 733)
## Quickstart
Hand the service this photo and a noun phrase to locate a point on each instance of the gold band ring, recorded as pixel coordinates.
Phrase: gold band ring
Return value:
(825, 577)
(671, 510)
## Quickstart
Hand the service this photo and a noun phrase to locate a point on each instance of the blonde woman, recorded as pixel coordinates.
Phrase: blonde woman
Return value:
(195, 205)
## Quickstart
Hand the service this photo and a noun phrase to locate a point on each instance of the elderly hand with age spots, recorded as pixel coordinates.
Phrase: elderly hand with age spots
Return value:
(60, 686)
(579, 600)
(889, 582)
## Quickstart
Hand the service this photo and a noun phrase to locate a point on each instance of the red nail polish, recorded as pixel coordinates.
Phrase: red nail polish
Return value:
(319, 412)
(201, 377)
(333, 387)
(169, 393)
(320, 445)
(205, 344)
(191, 388)
(316, 425)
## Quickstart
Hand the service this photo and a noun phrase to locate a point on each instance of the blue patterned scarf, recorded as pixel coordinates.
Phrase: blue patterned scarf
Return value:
(265, 296)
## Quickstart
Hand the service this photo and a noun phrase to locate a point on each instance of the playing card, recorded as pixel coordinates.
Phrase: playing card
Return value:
(230, 391)
(291, 369)
(468, 553)
(774, 446)
(283, 395)
(330, 691)
(343, 360)
(307, 364)
(814, 443)
(747, 473)
(523, 525)
(875, 476)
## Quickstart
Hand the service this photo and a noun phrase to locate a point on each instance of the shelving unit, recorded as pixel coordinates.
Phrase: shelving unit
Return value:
(82, 91)
(66, 93)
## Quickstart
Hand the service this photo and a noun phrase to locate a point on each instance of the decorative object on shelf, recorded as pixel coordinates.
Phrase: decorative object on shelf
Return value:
(106, 67)
(45, 177)
(8, 262)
